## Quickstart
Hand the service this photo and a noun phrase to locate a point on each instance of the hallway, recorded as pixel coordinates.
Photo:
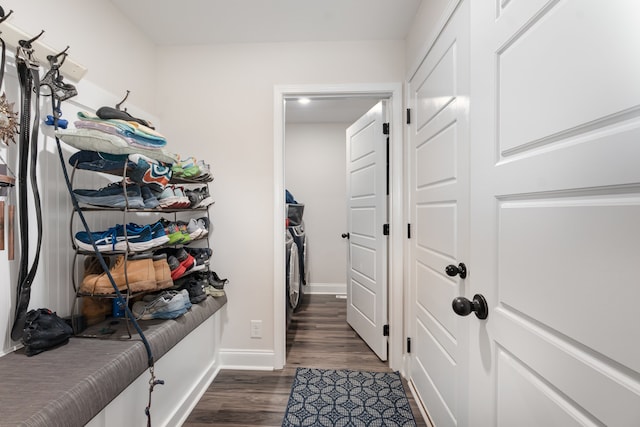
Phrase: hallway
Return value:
(319, 337)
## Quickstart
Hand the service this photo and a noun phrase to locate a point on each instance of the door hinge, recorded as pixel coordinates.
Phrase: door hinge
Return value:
(408, 345)
(385, 229)
(385, 128)
(385, 330)
(409, 231)
(408, 116)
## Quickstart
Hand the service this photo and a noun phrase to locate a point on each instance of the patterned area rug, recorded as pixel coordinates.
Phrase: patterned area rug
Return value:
(342, 398)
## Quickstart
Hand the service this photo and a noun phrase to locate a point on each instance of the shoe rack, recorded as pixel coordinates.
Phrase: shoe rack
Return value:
(126, 215)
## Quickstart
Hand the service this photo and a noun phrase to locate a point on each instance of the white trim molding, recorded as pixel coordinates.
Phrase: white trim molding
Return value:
(393, 92)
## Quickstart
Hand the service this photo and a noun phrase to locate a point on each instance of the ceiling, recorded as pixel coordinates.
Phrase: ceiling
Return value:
(193, 22)
(190, 22)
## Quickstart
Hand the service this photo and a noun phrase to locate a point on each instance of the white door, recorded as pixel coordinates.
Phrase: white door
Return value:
(555, 213)
(366, 216)
(439, 216)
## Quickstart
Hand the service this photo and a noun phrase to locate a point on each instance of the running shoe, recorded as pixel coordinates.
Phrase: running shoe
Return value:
(149, 199)
(166, 305)
(146, 171)
(112, 196)
(136, 238)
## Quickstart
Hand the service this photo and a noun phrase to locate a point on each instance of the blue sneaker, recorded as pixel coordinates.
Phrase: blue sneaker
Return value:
(114, 239)
(159, 235)
(99, 162)
(112, 196)
(149, 199)
(146, 171)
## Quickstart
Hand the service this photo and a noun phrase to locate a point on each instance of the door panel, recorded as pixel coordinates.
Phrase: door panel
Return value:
(555, 205)
(367, 212)
(438, 164)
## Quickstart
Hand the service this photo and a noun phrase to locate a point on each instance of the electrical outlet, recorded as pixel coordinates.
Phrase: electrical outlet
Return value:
(256, 329)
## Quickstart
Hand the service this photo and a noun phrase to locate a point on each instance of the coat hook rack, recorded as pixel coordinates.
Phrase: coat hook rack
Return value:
(122, 102)
(54, 58)
(27, 44)
(13, 36)
(4, 17)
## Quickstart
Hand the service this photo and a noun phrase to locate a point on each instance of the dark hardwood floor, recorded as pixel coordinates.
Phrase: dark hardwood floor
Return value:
(318, 337)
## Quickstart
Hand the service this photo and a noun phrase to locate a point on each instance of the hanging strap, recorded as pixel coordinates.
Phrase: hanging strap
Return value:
(28, 76)
(56, 100)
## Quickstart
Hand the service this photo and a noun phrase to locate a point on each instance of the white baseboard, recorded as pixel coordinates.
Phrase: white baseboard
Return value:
(257, 360)
(191, 399)
(326, 288)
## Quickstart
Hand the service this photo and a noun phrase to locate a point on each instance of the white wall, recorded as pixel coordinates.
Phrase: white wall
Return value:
(315, 161)
(102, 40)
(223, 112)
(118, 56)
(214, 102)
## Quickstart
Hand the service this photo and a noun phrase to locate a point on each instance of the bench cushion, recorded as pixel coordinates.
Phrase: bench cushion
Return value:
(71, 384)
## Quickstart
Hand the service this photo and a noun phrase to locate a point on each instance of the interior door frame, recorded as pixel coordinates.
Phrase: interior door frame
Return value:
(392, 92)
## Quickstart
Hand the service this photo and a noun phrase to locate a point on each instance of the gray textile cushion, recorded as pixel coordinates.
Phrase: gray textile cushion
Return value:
(71, 384)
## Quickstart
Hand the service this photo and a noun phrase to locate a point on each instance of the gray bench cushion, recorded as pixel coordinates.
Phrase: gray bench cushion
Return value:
(71, 384)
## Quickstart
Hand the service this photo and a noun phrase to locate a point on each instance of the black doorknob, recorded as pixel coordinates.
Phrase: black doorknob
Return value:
(464, 307)
(345, 235)
(452, 270)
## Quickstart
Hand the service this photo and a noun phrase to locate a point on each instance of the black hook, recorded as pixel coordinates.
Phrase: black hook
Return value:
(4, 17)
(27, 43)
(122, 102)
(54, 58)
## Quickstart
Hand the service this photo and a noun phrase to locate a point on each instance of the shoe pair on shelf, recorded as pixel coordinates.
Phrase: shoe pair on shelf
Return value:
(132, 237)
(116, 195)
(199, 197)
(140, 273)
(194, 285)
(180, 261)
(165, 305)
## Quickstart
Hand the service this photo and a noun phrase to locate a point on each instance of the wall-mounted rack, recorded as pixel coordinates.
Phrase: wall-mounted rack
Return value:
(12, 35)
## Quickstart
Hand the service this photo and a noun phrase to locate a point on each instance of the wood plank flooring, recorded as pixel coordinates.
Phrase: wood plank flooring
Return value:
(318, 337)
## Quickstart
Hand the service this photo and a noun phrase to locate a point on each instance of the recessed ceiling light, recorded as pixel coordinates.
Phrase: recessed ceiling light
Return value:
(304, 100)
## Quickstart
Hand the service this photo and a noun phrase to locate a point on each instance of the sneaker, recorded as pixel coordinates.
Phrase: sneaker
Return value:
(137, 274)
(211, 291)
(196, 291)
(159, 235)
(149, 199)
(216, 281)
(99, 162)
(175, 232)
(149, 172)
(205, 172)
(201, 255)
(193, 228)
(203, 224)
(177, 269)
(185, 168)
(194, 198)
(206, 197)
(114, 239)
(167, 198)
(166, 305)
(112, 196)
(182, 201)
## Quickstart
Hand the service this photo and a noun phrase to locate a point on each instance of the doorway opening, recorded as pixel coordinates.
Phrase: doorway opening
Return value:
(360, 95)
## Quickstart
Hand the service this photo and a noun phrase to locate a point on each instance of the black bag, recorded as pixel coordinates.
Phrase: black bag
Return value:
(43, 330)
